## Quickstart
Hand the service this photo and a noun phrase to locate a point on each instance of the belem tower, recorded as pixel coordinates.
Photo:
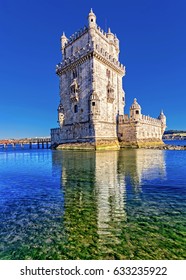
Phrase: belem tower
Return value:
(92, 100)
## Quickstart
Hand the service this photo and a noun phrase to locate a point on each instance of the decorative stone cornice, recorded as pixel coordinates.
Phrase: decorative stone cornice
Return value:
(66, 66)
(62, 68)
(119, 68)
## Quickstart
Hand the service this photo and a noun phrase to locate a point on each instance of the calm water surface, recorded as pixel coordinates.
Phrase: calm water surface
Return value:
(126, 204)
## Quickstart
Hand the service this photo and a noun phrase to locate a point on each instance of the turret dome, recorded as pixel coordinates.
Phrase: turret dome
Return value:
(91, 19)
(162, 117)
(91, 13)
(135, 105)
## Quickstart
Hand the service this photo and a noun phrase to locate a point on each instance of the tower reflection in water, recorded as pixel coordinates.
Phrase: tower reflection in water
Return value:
(96, 188)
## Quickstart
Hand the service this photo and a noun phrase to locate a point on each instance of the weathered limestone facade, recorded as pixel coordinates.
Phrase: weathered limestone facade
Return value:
(92, 100)
(140, 130)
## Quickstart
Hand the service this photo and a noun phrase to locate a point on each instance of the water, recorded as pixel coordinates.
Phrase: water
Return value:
(126, 204)
(175, 142)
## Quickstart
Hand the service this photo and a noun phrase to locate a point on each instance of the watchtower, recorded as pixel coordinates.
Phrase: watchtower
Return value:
(91, 94)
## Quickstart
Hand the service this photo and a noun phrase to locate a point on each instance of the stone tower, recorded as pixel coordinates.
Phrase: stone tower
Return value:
(91, 94)
(91, 108)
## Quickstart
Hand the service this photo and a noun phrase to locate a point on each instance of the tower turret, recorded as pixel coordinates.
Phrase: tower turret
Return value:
(110, 35)
(116, 41)
(91, 92)
(162, 118)
(135, 111)
(91, 19)
(63, 42)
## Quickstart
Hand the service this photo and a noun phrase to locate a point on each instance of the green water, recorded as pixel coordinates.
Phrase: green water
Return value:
(93, 205)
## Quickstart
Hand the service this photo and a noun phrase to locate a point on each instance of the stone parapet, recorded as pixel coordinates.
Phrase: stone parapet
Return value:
(124, 119)
(149, 120)
(109, 60)
(76, 36)
(76, 59)
(86, 53)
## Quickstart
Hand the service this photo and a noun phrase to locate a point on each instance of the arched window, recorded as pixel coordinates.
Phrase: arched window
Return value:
(137, 112)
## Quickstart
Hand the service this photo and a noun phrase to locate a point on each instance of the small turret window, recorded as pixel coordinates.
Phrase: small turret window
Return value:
(92, 20)
(93, 103)
(137, 112)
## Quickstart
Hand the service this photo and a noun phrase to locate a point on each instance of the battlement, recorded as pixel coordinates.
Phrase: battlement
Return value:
(96, 51)
(76, 36)
(101, 51)
(150, 120)
(124, 119)
(90, 39)
(107, 36)
(104, 35)
(74, 57)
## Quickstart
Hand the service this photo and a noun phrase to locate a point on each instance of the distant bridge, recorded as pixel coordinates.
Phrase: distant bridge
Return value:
(174, 136)
(41, 142)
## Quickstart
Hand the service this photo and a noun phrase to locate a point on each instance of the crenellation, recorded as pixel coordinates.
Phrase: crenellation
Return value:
(76, 36)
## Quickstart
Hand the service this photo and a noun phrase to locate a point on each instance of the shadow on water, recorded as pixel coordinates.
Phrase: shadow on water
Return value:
(94, 205)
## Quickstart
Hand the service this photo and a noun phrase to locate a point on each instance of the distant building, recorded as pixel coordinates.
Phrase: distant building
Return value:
(91, 110)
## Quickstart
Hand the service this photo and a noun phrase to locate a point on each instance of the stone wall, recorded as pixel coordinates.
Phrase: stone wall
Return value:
(145, 131)
(76, 46)
(81, 100)
(73, 133)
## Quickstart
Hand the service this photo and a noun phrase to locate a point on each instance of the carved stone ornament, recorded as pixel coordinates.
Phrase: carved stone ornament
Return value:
(74, 91)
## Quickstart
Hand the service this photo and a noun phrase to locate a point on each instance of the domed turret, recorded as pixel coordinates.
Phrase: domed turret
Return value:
(162, 118)
(135, 110)
(110, 35)
(91, 19)
(63, 42)
(116, 41)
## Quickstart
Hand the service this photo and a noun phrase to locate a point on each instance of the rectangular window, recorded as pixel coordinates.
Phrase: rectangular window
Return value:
(75, 109)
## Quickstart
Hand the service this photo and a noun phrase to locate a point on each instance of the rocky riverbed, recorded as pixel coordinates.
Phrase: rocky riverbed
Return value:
(167, 147)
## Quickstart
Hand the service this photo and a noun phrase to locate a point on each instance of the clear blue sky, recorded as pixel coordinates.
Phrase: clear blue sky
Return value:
(152, 36)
